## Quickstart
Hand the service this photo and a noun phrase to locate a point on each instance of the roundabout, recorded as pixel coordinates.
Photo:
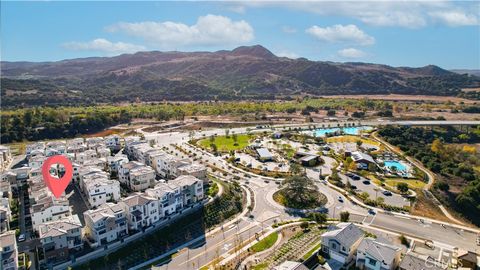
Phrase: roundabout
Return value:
(315, 200)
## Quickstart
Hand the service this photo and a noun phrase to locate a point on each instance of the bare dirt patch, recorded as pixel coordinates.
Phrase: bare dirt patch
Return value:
(413, 98)
(466, 90)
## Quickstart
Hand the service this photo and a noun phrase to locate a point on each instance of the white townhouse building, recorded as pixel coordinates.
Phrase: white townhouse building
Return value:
(8, 180)
(36, 161)
(197, 170)
(38, 146)
(141, 178)
(167, 165)
(155, 157)
(88, 170)
(136, 175)
(94, 142)
(142, 211)
(124, 171)
(103, 152)
(59, 237)
(99, 189)
(55, 148)
(5, 157)
(97, 162)
(113, 142)
(115, 162)
(140, 150)
(89, 154)
(130, 142)
(191, 188)
(5, 214)
(9, 251)
(147, 155)
(49, 209)
(76, 142)
(170, 197)
(105, 224)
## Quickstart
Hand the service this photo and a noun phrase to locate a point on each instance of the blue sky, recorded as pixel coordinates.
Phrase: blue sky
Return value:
(397, 33)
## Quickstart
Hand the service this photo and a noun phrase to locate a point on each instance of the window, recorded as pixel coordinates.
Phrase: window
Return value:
(334, 246)
(344, 249)
(372, 262)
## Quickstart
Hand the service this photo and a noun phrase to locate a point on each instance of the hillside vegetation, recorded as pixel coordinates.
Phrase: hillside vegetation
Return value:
(451, 154)
(243, 73)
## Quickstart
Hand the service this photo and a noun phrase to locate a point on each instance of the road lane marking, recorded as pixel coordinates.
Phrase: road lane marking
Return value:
(219, 244)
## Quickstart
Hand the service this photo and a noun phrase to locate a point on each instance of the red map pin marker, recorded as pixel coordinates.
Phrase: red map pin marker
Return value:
(57, 185)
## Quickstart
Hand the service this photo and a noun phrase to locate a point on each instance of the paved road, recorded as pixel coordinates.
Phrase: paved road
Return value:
(266, 211)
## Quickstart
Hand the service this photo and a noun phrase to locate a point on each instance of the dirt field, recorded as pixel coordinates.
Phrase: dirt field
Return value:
(412, 98)
(466, 90)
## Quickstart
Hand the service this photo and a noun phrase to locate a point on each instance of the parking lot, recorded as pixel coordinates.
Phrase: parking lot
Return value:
(365, 185)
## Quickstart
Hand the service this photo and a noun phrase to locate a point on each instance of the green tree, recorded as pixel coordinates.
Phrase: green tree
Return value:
(299, 191)
(296, 169)
(402, 187)
(235, 139)
(304, 225)
(344, 216)
(319, 218)
(359, 143)
(331, 113)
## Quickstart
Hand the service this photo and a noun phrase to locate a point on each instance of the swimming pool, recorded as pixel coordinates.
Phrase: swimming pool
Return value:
(322, 132)
(395, 164)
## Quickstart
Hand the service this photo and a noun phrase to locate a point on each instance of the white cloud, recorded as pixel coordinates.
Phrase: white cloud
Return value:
(289, 29)
(237, 9)
(287, 54)
(103, 45)
(408, 14)
(209, 30)
(341, 33)
(454, 18)
(351, 53)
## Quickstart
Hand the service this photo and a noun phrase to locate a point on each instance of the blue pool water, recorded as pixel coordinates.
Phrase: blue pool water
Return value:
(392, 163)
(347, 130)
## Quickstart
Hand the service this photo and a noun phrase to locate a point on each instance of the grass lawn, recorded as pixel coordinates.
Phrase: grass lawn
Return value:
(375, 179)
(225, 144)
(260, 266)
(315, 248)
(353, 139)
(265, 243)
(17, 148)
(412, 184)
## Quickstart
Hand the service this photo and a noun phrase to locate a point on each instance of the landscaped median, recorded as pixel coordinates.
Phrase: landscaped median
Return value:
(299, 192)
(265, 243)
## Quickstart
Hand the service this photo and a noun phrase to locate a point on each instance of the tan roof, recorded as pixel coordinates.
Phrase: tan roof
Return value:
(185, 180)
(59, 227)
(137, 199)
(132, 164)
(7, 238)
(103, 211)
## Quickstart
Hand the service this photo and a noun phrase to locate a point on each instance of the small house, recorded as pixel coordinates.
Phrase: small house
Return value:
(264, 155)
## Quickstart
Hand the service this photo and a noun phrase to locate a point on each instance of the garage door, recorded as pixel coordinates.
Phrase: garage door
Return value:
(337, 257)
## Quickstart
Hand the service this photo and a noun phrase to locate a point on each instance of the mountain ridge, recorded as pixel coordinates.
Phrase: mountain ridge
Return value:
(246, 72)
